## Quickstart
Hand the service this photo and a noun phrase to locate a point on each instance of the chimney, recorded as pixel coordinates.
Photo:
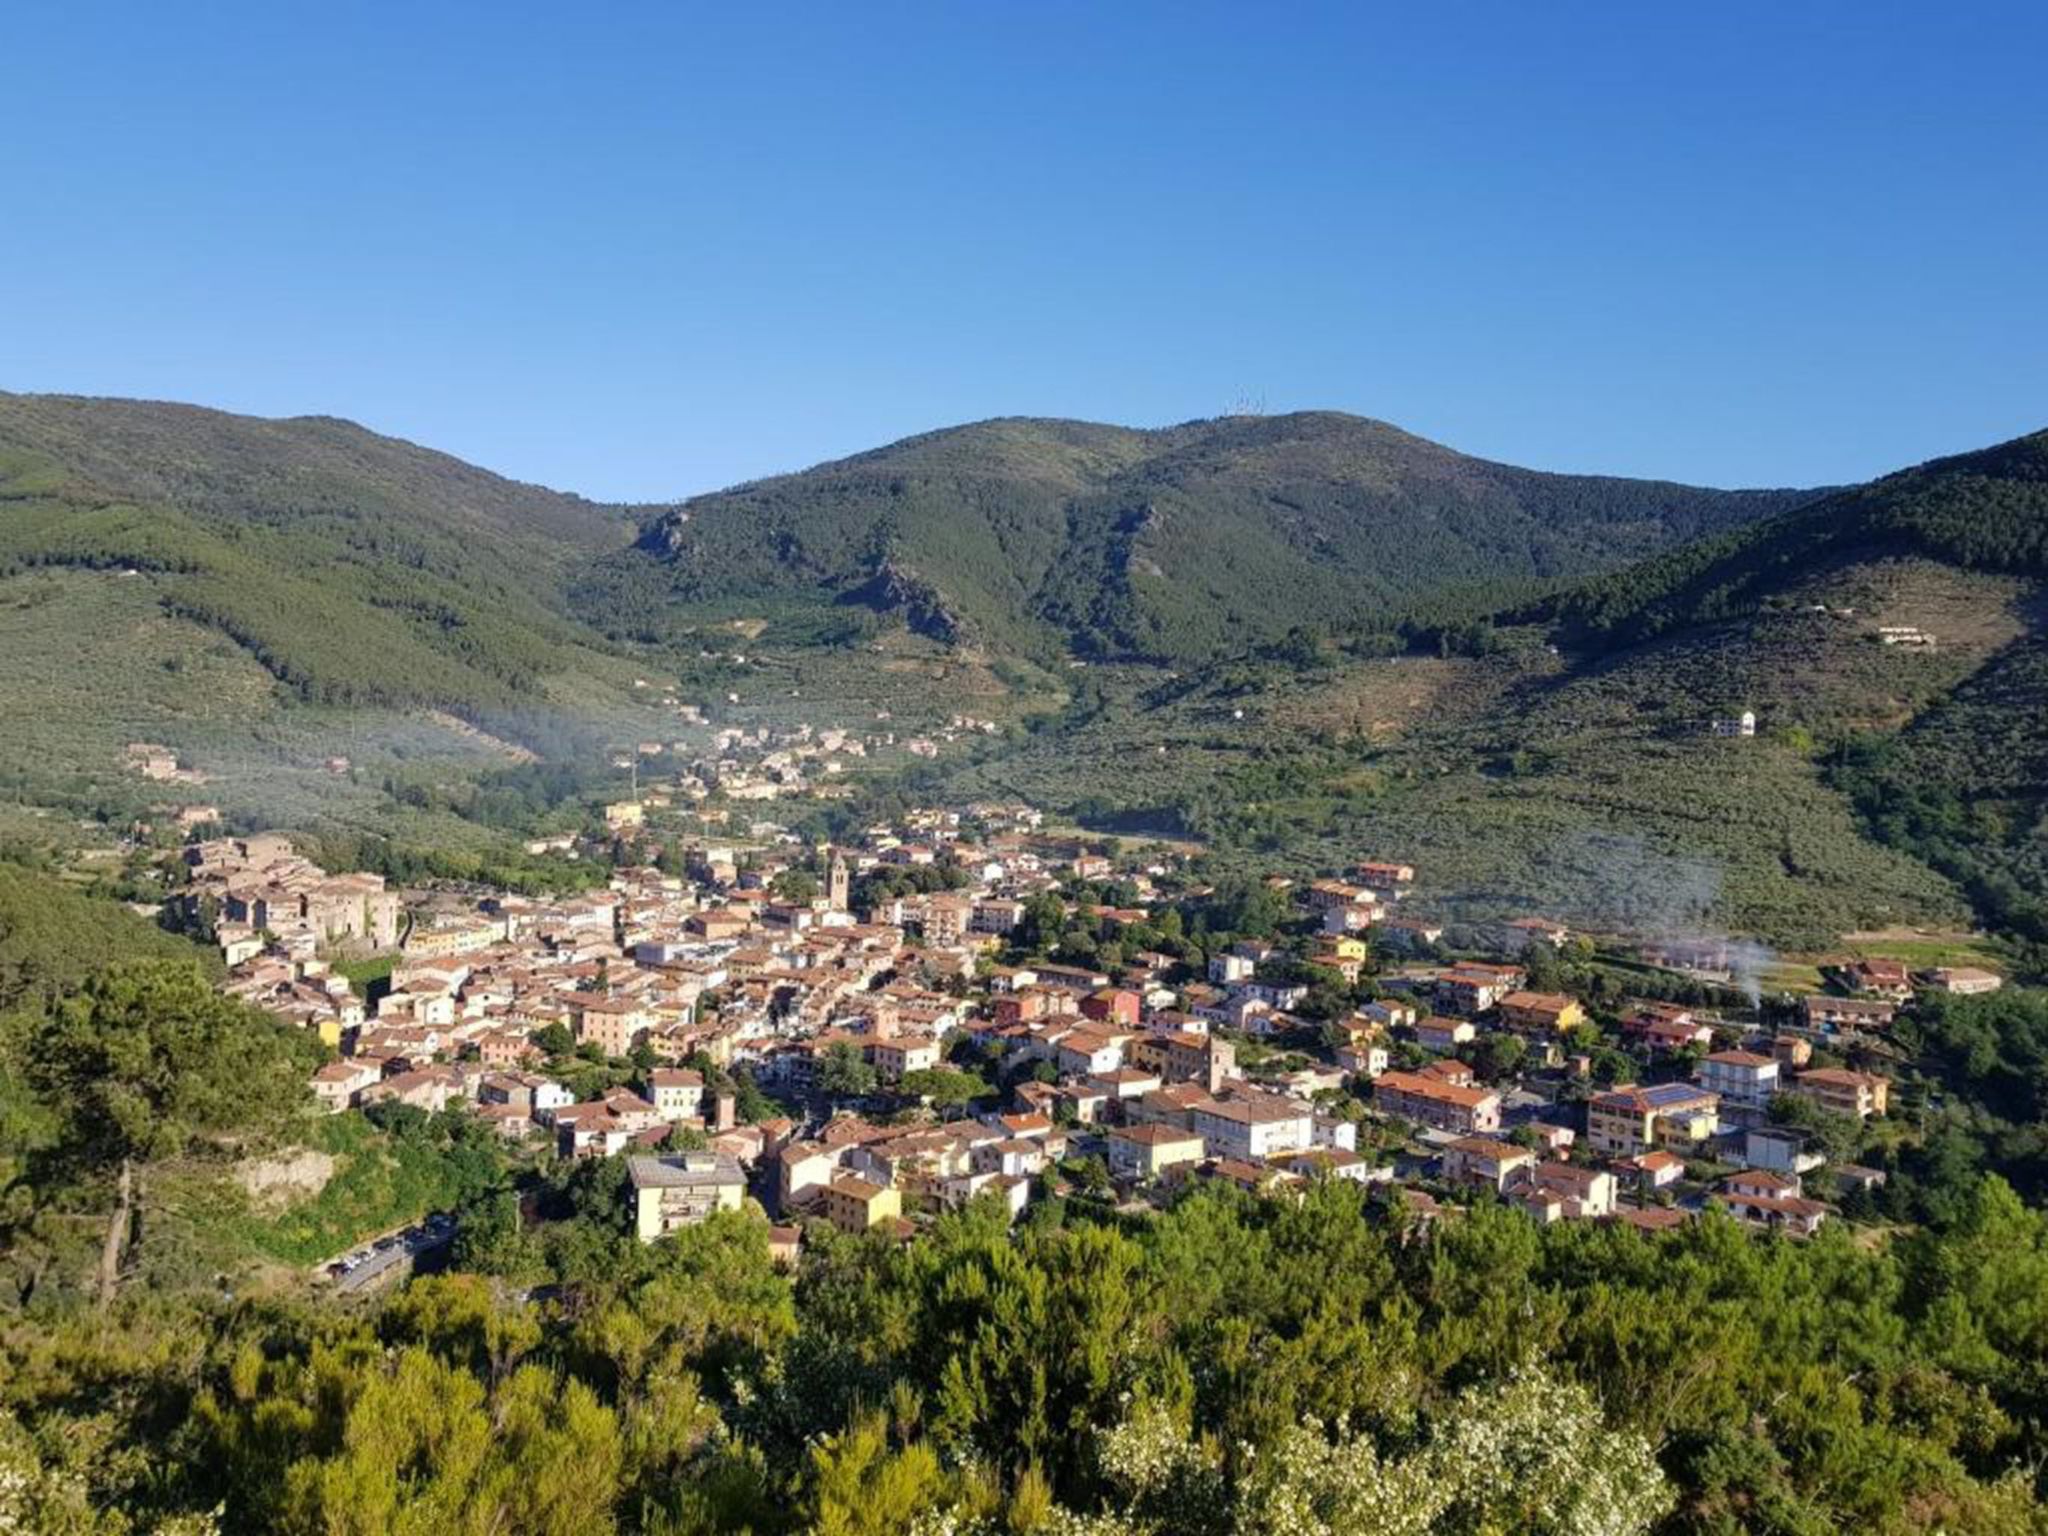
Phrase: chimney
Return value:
(722, 1112)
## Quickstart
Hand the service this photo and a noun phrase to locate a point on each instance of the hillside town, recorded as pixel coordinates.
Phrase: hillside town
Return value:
(869, 1033)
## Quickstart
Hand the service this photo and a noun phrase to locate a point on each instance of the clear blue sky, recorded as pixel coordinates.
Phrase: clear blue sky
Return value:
(645, 250)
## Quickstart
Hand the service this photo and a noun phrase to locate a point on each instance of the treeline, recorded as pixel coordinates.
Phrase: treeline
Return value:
(1965, 790)
(1235, 1365)
(53, 936)
(501, 868)
(1327, 1364)
(1986, 511)
(523, 798)
(1990, 1055)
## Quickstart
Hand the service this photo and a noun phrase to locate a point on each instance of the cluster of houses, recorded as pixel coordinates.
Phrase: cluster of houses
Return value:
(277, 917)
(762, 763)
(1619, 1152)
(769, 764)
(1135, 1069)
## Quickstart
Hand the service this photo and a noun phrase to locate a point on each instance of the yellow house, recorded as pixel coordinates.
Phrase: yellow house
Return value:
(894, 1057)
(1343, 954)
(854, 1205)
(1544, 1013)
(1846, 1093)
(1147, 1151)
(674, 1192)
(1628, 1121)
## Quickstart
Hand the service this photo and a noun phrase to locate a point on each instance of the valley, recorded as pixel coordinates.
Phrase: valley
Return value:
(1542, 738)
(949, 770)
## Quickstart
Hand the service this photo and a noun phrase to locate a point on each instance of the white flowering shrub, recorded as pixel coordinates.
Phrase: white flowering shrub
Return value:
(1167, 1482)
(1535, 1455)
(1311, 1485)
(1531, 1455)
(37, 1499)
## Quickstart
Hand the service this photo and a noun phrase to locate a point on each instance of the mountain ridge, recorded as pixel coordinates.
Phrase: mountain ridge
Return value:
(1987, 508)
(1169, 543)
(131, 448)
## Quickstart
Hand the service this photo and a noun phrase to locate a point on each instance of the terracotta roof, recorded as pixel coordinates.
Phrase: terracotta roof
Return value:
(854, 1187)
(1432, 1088)
(1740, 1059)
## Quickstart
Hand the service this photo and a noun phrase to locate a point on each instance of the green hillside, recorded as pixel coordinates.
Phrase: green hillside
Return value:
(1187, 542)
(1569, 766)
(1984, 511)
(355, 568)
(264, 596)
(53, 936)
(1943, 751)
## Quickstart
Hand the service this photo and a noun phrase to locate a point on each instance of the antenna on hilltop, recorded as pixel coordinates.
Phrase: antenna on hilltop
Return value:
(1247, 405)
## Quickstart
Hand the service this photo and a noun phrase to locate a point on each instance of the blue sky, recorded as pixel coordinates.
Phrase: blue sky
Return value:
(642, 251)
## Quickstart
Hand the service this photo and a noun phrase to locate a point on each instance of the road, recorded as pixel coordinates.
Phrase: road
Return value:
(363, 1266)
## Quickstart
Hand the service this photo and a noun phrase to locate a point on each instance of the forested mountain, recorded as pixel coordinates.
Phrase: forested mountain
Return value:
(361, 569)
(356, 568)
(1170, 544)
(1985, 511)
(176, 574)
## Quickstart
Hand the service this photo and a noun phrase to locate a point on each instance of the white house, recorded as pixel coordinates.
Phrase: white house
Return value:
(1740, 1077)
(1253, 1130)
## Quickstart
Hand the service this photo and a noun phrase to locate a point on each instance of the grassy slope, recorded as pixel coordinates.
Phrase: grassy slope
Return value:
(1986, 510)
(1956, 770)
(1608, 766)
(1598, 816)
(265, 595)
(90, 661)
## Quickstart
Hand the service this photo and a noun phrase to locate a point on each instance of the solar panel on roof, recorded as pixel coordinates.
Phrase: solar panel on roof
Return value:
(1666, 1094)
